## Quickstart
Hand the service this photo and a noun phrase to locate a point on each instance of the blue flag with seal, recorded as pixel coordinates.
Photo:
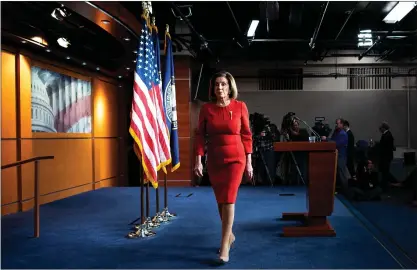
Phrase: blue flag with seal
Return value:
(170, 102)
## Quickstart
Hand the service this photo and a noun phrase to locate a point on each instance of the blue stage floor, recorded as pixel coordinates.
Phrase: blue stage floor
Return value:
(88, 231)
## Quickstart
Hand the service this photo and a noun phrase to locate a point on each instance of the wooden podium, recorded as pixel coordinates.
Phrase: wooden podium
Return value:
(320, 191)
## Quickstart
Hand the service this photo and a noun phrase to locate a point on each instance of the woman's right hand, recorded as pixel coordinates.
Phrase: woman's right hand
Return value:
(198, 169)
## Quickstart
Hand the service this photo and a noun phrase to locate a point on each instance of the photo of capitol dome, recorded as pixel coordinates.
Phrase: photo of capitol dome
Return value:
(60, 103)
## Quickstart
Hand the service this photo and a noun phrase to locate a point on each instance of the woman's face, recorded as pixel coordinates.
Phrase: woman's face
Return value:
(295, 125)
(221, 88)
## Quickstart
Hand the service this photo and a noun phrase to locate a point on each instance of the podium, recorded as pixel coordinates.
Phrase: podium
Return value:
(320, 191)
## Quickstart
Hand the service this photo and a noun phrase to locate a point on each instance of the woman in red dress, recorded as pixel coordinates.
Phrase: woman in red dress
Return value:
(225, 122)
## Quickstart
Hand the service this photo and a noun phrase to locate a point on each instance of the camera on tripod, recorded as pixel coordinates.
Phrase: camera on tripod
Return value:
(323, 129)
(260, 124)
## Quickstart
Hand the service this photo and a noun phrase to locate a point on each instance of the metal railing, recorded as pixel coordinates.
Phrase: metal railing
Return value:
(36, 217)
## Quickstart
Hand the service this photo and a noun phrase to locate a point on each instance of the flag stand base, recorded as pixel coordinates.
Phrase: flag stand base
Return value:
(141, 232)
(149, 224)
(157, 219)
(166, 215)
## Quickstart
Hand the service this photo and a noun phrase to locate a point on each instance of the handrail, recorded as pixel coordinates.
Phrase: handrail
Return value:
(26, 161)
(36, 218)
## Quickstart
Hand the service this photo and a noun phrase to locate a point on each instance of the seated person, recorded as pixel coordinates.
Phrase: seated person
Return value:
(366, 185)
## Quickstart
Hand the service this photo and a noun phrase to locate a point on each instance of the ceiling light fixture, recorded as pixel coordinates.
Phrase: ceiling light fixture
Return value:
(252, 28)
(365, 38)
(128, 68)
(48, 50)
(24, 41)
(120, 76)
(40, 40)
(399, 12)
(98, 68)
(126, 39)
(63, 42)
(84, 64)
(68, 58)
(59, 13)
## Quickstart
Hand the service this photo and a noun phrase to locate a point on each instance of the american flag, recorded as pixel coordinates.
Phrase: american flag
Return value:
(165, 151)
(147, 126)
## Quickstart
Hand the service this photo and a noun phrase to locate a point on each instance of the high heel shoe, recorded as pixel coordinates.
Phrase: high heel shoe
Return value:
(230, 245)
(221, 261)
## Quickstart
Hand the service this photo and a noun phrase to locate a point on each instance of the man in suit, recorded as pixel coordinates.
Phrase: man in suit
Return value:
(350, 153)
(341, 139)
(386, 155)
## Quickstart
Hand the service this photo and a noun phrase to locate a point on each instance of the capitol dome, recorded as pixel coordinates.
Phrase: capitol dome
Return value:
(42, 114)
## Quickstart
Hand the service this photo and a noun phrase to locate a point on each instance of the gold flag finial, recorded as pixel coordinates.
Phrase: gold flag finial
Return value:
(145, 8)
(153, 20)
(167, 28)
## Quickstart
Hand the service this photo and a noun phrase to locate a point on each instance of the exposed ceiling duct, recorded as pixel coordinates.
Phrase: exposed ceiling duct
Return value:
(269, 10)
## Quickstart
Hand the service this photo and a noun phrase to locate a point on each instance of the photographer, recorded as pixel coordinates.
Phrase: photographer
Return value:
(263, 138)
(292, 132)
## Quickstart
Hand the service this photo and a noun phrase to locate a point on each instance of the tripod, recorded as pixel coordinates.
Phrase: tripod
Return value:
(286, 139)
(259, 154)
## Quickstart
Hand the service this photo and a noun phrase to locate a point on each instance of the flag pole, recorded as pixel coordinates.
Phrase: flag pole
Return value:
(157, 219)
(149, 222)
(166, 215)
(141, 230)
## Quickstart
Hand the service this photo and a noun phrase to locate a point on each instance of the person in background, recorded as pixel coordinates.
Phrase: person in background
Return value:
(277, 155)
(265, 163)
(386, 155)
(366, 186)
(350, 153)
(340, 137)
(298, 134)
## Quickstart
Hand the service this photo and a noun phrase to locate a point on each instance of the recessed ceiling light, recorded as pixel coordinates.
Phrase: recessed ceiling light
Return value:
(126, 39)
(128, 68)
(98, 68)
(63, 42)
(48, 50)
(84, 63)
(40, 40)
(120, 86)
(120, 76)
(24, 41)
(68, 57)
(59, 14)
(105, 21)
(135, 51)
(134, 61)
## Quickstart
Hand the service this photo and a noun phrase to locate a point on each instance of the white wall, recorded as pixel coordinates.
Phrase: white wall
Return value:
(364, 112)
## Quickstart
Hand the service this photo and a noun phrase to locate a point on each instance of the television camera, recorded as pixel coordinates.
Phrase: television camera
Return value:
(322, 128)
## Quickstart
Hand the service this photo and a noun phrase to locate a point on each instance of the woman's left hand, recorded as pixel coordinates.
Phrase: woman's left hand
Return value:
(249, 170)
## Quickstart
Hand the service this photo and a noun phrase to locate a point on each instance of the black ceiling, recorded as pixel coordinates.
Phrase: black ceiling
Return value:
(91, 45)
(222, 26)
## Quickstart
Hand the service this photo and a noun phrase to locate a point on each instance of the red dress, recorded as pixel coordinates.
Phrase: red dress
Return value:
(229, 140)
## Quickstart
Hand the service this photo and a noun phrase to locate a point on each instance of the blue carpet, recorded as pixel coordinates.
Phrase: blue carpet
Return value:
(87, 231)
(396, 221)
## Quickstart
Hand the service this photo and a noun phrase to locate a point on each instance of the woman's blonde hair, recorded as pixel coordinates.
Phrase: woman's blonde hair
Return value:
(230, 80)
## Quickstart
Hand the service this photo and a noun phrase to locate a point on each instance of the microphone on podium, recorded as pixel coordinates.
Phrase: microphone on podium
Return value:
(309, 127)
